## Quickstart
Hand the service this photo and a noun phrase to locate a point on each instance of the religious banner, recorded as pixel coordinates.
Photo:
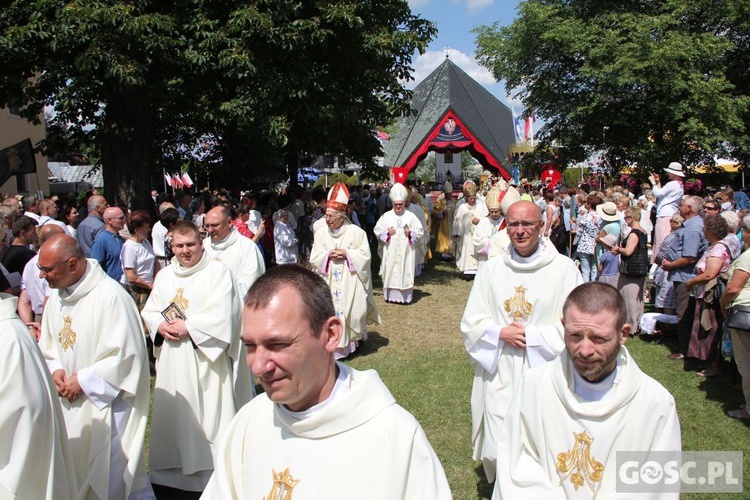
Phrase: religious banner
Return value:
(17, 159)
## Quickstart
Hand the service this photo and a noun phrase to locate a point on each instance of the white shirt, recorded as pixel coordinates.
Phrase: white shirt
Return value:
(36, 288)
(139, 257)
(668, 198)
(46, 219)
(158, 235)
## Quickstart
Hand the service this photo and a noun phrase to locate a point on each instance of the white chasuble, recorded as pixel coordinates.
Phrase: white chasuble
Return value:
(556, 444)
(399, 254)
(361, 445)
(504, 291)
(466, 261)
(35, 458)
(483, 235)
(96, 329)
(241, 255)
(421, 248)
(201, 380)
(350, 279)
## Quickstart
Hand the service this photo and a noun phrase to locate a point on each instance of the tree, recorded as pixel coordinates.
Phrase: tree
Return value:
(283, 77)
(642, 81)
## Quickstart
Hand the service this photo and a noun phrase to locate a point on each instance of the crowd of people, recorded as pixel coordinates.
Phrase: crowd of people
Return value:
(210, 291)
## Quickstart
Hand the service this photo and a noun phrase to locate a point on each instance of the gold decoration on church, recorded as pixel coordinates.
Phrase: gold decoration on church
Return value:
(66, 335)
(283, 486)
(517, 306)
(180, 300)
(578, 465)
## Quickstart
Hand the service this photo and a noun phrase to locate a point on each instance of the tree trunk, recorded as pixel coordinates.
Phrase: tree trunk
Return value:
(292, 168)
(127, 147)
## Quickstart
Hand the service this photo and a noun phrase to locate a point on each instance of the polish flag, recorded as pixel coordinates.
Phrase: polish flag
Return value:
(168, 179)
(186, 180)
(529, 130)
(176, 181)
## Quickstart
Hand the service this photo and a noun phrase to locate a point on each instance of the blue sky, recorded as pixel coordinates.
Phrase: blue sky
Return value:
(455, 20)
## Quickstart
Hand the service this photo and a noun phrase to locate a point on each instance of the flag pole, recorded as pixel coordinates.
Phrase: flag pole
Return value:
(164, 178)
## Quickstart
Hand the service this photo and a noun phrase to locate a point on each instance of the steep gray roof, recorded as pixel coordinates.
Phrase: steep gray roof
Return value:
(76, 173)
(450, 88)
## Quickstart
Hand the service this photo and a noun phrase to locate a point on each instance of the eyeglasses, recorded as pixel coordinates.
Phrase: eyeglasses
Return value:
(332, 216)
(523, 224)
(710, 207)
(121, 217)
(48, 269)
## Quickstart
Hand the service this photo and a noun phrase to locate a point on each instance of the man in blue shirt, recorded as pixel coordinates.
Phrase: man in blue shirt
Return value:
(683, 254)
(108, 243)
(91, 225)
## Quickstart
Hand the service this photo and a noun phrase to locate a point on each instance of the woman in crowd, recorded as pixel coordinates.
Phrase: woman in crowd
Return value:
(737, 293)
(634, 264)
(69, 216)
(706, 287)
(588, 229)
(137, 258)
(665, 299)
(610, 224)
(198, 209)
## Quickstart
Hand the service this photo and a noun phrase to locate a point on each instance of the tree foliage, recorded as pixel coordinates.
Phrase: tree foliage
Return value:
(272, 80)
(644, 81)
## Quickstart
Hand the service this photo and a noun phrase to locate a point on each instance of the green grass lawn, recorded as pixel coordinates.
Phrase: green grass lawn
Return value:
(418, 351)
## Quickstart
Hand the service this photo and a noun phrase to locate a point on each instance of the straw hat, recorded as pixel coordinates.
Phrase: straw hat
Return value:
(675, 168)
(608, 211)
(609, 240)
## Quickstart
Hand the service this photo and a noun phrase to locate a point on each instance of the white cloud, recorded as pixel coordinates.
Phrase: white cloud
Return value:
(427, 62)
(477, 5)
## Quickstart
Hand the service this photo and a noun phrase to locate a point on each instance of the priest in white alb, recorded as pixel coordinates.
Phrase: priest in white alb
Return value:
(491, 236)
(194, 317)
(512, 322)
(571, 417)
(93, 342)
(413, 206)
(321, 430)
(226, 245)
(341, 254)
(398, 232)
(465, 222)
(35, 458)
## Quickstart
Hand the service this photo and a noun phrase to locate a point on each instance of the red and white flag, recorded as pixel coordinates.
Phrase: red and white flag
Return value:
(186, 180)
(176, 181)
(168, 179)
(529, 131)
